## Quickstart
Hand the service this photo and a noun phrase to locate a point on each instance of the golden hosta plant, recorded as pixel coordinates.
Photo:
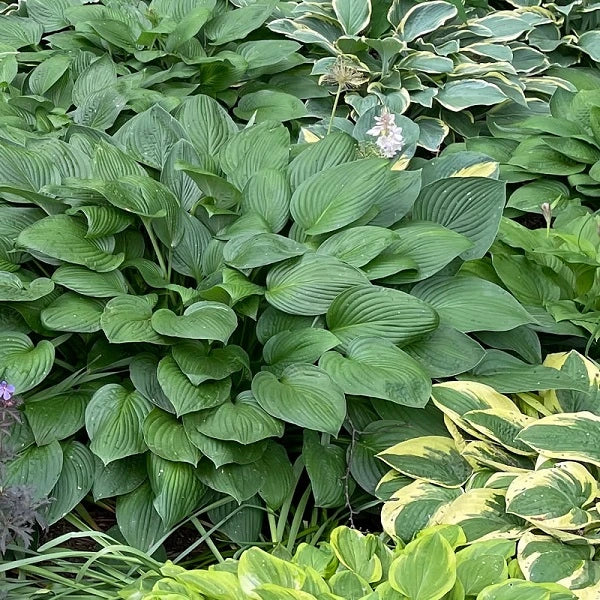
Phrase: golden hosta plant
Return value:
(524, 467)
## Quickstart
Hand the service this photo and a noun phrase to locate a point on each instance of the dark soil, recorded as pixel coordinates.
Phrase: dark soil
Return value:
(531, 221)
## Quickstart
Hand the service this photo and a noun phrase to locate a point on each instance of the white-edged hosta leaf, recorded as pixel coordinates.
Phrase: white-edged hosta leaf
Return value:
(431, 458)
(374, 367)
(299, 346)
(58, 417)
(199, 362)
(304, 395)
(23, 364)
(12, 289)
(464, 93)
(165, 436)
(567, 436)
(200, 321)
(207, 123)
(242, 421)
(37, 467)
(353, 15)
(177, 490)
(128, 319)
(90, 283)
(471, 206)
(372, 311)
(308, 285)
(72, 312)
(149, 136)
(472, 304)
(425, 17)
(64, 238)
(184, 395)
(75, 481)
(556, 497)
(113, 420)
(331, 199)
(358, 245)
(248, 252)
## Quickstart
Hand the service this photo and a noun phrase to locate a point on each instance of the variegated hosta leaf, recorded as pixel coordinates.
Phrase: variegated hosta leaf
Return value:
(492, 456)
(430, 458)
(482, 515)
(556, 497)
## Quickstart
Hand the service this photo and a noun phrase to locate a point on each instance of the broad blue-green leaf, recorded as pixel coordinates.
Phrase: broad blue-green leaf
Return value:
(72, 312)
(266, 105)
(90, 283)
(165, 436)
(425, 17)
(353, 15)
(23, 364)
(128, 319)
(464, 93)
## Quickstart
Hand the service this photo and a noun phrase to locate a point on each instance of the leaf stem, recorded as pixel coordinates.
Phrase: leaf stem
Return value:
(155, 246)
(334, 109)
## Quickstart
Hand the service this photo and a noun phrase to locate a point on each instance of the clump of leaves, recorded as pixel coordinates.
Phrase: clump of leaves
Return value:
(359, 566)
(523, 467)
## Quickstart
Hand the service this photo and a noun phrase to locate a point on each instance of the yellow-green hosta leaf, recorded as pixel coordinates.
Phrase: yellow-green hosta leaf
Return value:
(477, 573)
(501, 426)
(347, 584)
(492, 456)
(426, 569)
(376, 368)
(544, 558)
(357, 552)
(257, 568)
(515, 589)
(220, 585)
(482, 515)
(430, 458)
(567, 436)
(410, 508)
(455, 398)
(555, 498)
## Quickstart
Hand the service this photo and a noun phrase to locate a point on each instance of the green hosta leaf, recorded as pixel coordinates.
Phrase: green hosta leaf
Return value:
(430, 458)
(478, 573)
(237, 24)
(248, 252)
(75, 481)
(177, 490)
(22, 364)
(410, 508)
(137, 518)
(338, 196)
(64, 238)
(200, 321)
(307, 286)
(119, 477)
(458, 95)
(470, 304)
(56, 418)
(165, 436)
(371, 311)
(200, 363)
(267, 194)
(143, 374)
(423, 18)
(103, 220)
(113, 420)
(358, 245)
(357, 552)
(346, 584)
(185, 396)
(426, 570)
(262, 146)
(128, 319)
(304, 395)
(276, 491)
(207, 124)
(89, 283)
(224, 194)
(72, 312)
(567, 436)
(100, 110)
(12, 289)
(353, 15)
(47, 73)
(19, 31)
(37, 468)
(555, 498)
(266, 105)
(326, 468)
(239, 481)
(374, 367)
(526, 590)
(99, 75)
(257, 568)
(180, 183)
(334, 149)
(242, 421)
(149, 136)
(299, 346)
(471, 206)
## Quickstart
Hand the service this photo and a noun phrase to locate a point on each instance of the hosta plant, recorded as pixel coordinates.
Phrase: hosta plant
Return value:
(354, 566)
(523, 468)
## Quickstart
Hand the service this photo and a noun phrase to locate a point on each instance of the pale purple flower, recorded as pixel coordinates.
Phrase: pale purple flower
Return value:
(389, 135)
(6, 390)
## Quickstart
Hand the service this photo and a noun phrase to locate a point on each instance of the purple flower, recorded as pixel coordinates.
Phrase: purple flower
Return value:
(6, 390)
